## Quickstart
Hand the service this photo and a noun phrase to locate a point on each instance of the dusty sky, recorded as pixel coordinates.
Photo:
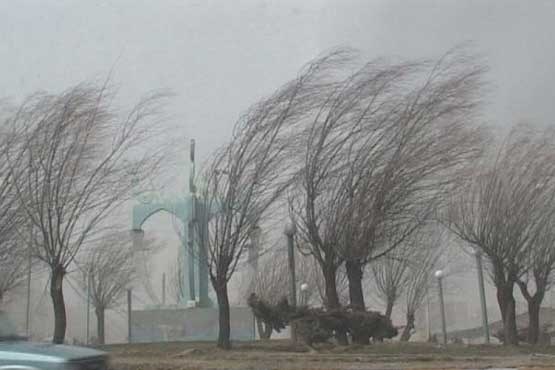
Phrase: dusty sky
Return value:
(221, 56)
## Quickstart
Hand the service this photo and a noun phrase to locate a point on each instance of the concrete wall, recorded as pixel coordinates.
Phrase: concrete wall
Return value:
(188, 324)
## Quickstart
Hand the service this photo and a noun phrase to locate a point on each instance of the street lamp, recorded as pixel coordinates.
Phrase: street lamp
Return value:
(304, 294)
(289, 231)
(439, 274)
(478, 254)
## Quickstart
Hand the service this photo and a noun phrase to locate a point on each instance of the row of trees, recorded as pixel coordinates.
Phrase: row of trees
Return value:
(362, 158)
(68, 162)
(366, 158)
(374, 163)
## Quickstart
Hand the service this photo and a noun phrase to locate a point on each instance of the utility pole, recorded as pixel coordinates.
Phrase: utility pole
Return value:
(129, 337)
(439, 276)
(478, 254)
(290, 231)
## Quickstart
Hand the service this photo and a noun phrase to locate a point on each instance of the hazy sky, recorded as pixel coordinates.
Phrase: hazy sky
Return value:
(221, 56)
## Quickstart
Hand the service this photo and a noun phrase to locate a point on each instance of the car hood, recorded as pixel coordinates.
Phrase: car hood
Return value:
(46, 351)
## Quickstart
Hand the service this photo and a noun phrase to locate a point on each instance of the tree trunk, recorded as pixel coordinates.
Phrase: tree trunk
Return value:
(534, 304)
(57, 294)
(389, 309)
(99, 311)
(507, 306)
(224, 332)
(356, 296)
(264, 330)
(534, 320)
(405, 336)
(332, 300)
(354, 275)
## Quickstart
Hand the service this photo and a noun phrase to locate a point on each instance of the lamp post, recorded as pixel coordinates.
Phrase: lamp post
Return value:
(439, 275)
(129, 319)
(304, 294)
(289, 231)
(87, 336)
(478, 254)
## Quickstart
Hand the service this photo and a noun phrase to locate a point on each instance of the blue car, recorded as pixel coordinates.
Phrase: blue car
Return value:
(16, 353)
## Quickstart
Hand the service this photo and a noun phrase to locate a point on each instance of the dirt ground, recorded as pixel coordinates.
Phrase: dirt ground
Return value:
(280, 354)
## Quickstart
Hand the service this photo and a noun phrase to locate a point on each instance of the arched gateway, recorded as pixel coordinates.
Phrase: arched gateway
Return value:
(188, 210)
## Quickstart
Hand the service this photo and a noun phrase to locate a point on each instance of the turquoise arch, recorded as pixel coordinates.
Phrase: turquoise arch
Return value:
(195, 272)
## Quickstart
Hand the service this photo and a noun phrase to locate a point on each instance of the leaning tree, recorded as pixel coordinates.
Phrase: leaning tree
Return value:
(75, 164)
(386, 146)
(244, 179)
(504, 211)
(107, 270)
(418, 147)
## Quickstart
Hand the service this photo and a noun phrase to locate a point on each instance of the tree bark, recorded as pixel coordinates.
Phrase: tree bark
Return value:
(57, 294)
(389, 309)
(356, 295)
(332, 300)
(99, 311)
(534, 304)
(224, 332)
(405, 336)
(507, 306)
(354, 276)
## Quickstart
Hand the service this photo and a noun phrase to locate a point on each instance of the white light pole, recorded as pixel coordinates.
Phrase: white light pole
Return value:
(439, 275)
(478, 254)
(87, 336)
(289, 231)
(304, 294)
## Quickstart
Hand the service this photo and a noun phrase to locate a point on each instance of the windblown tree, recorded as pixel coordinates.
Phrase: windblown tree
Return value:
(386, 146)
(107, 273)
(14, 228)
(14, 265)
(246, 177)
(504, 210)
(76, 164)
(411, 163)
(419, 274)
(539, 278)
(176, 280)
(332, 143)
(390, 276)
(270, 283)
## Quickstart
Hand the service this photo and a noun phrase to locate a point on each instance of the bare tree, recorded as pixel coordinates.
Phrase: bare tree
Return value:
(107, 273)
(419, 274)
(14, 228)
(405, 174)
(541, 263)
(390, 276)
(77, 164)
(246, 177)
(270, 283)
(14, 264)
(504, 209)
(336, 131)
(176, 279)
(385, 147)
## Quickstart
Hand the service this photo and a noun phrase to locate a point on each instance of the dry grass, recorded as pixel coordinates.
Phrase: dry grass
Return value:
(280, 354)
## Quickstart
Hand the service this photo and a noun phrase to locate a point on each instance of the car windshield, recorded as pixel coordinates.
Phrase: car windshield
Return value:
(7, 328)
